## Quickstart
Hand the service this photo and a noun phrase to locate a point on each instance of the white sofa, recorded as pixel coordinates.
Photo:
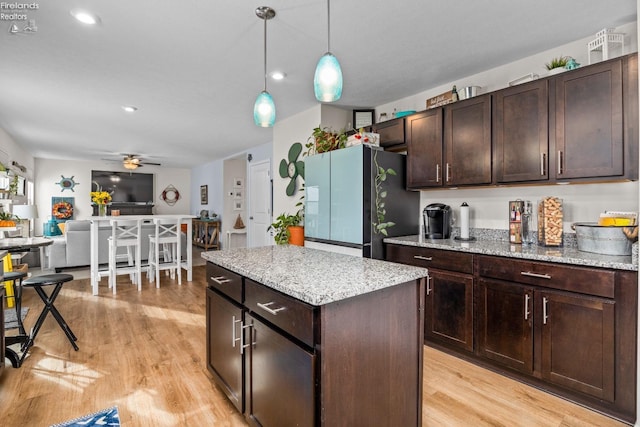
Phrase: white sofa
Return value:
(73, 248)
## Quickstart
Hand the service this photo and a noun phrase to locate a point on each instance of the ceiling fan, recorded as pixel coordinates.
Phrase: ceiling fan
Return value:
(133, 161)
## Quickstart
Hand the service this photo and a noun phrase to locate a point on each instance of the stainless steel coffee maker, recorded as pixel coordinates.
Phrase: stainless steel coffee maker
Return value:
(437, 221)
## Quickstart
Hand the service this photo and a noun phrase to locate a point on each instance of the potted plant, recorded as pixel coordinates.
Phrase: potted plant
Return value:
(288, 229)
(557, 65)
(323, 140)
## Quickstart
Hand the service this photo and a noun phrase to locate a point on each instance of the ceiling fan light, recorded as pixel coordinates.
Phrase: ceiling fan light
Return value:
(327, 82)
(264, 110)
(130, 165)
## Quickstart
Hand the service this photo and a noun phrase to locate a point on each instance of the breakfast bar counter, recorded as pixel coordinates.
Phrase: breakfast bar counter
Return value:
(298, 336)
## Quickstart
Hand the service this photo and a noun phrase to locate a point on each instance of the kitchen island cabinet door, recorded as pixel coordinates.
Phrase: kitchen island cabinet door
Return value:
(424, 149)
(578, 350)
(449, 309)
(521, 133)
(280, 380)
(588, 125)
(467, 142)
(505, 323)
(224, 354)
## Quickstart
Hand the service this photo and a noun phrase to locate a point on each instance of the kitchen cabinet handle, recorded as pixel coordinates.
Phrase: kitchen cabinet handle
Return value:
(437, 172)
(537, 275)
(560, 165)
(424, 258)
(545, 314)
(233, 331)
(270, 310)
(448, 171)
(526, 306)
(428, 285)
(242, 344)
(543, 161)
(220, 279)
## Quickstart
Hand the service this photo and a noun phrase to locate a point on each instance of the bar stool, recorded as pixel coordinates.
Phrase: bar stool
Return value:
(38, 283)
(125, 233)
(168, 234)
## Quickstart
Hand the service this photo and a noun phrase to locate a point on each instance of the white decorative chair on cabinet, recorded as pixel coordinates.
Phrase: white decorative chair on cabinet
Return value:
(125, 233)
(168, 234)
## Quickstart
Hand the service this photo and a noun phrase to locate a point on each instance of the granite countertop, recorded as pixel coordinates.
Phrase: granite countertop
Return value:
(564, 255)
(313, 276)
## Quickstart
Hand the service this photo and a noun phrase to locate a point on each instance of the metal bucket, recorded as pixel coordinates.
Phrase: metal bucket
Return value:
(606, 240)
(468, 92)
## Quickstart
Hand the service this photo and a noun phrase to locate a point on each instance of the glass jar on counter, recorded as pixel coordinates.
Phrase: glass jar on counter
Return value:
(550, 217)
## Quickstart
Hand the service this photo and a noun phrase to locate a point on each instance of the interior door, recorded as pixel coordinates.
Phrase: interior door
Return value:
(259, 204)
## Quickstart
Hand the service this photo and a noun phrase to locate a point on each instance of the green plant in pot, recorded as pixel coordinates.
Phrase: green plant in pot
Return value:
(282, 227)
(559, 62)
(323, 140)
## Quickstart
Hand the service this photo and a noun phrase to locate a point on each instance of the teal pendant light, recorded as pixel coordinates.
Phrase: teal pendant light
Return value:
(264, 110)
(327, 82)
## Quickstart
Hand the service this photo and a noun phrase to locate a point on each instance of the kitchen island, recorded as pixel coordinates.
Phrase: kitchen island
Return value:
(297, 336)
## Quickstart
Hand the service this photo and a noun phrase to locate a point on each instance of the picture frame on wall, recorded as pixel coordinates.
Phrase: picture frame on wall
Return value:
(363, 118)
(238, 193)
(238, 182)
(238, 205)
(204, 194)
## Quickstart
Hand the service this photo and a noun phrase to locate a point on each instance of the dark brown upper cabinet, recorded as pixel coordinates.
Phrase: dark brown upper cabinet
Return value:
(424, 149)
(467, 142)
(587, 122)
(520, 133)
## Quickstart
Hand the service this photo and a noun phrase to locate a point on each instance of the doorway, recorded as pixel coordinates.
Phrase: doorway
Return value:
(260, 191)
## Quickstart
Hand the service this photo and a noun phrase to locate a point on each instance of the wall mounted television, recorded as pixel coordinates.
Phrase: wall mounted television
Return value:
(125, 187)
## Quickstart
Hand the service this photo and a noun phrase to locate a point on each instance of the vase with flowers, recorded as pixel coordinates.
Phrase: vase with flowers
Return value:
(102, 199)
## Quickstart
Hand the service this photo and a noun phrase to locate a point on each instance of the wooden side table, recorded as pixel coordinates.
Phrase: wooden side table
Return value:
(206, 233)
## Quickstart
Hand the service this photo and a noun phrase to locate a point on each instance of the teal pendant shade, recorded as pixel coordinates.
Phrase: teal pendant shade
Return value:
(264, 110)
(327, 83)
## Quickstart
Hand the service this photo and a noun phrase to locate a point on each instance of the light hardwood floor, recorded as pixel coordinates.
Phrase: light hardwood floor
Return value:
(145, 353)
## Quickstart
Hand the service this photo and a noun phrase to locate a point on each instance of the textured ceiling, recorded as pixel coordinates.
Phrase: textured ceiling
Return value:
(194, 67)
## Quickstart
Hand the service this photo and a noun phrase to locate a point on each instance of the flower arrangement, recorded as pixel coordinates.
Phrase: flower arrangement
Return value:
(100, 197)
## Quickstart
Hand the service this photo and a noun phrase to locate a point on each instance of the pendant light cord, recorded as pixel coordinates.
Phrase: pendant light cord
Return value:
(265, 52)
(328, 25)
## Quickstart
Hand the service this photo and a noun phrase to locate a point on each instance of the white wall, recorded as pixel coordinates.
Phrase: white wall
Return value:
(209, 174)
(10, 151)
(48, 172)
(293, 129)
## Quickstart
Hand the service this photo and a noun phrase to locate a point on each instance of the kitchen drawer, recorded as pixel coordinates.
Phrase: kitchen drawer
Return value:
(584, 280)
(461, 262)
(391, 132)
(289, 314)
(225, 281)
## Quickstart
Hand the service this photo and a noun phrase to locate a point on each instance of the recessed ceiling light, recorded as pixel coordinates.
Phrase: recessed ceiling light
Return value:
(129, 108)
(85, 17)
(278, 75)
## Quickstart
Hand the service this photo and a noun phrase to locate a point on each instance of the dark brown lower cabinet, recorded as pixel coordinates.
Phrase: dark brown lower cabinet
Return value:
(575, 335)
(570, 330)
(280, 389)
(224, 353)
(449, 309)
(578, 349)
(505, 324)
(448, 318)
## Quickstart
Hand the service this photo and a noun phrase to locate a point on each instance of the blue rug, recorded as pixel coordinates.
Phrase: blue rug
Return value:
(106, 417)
